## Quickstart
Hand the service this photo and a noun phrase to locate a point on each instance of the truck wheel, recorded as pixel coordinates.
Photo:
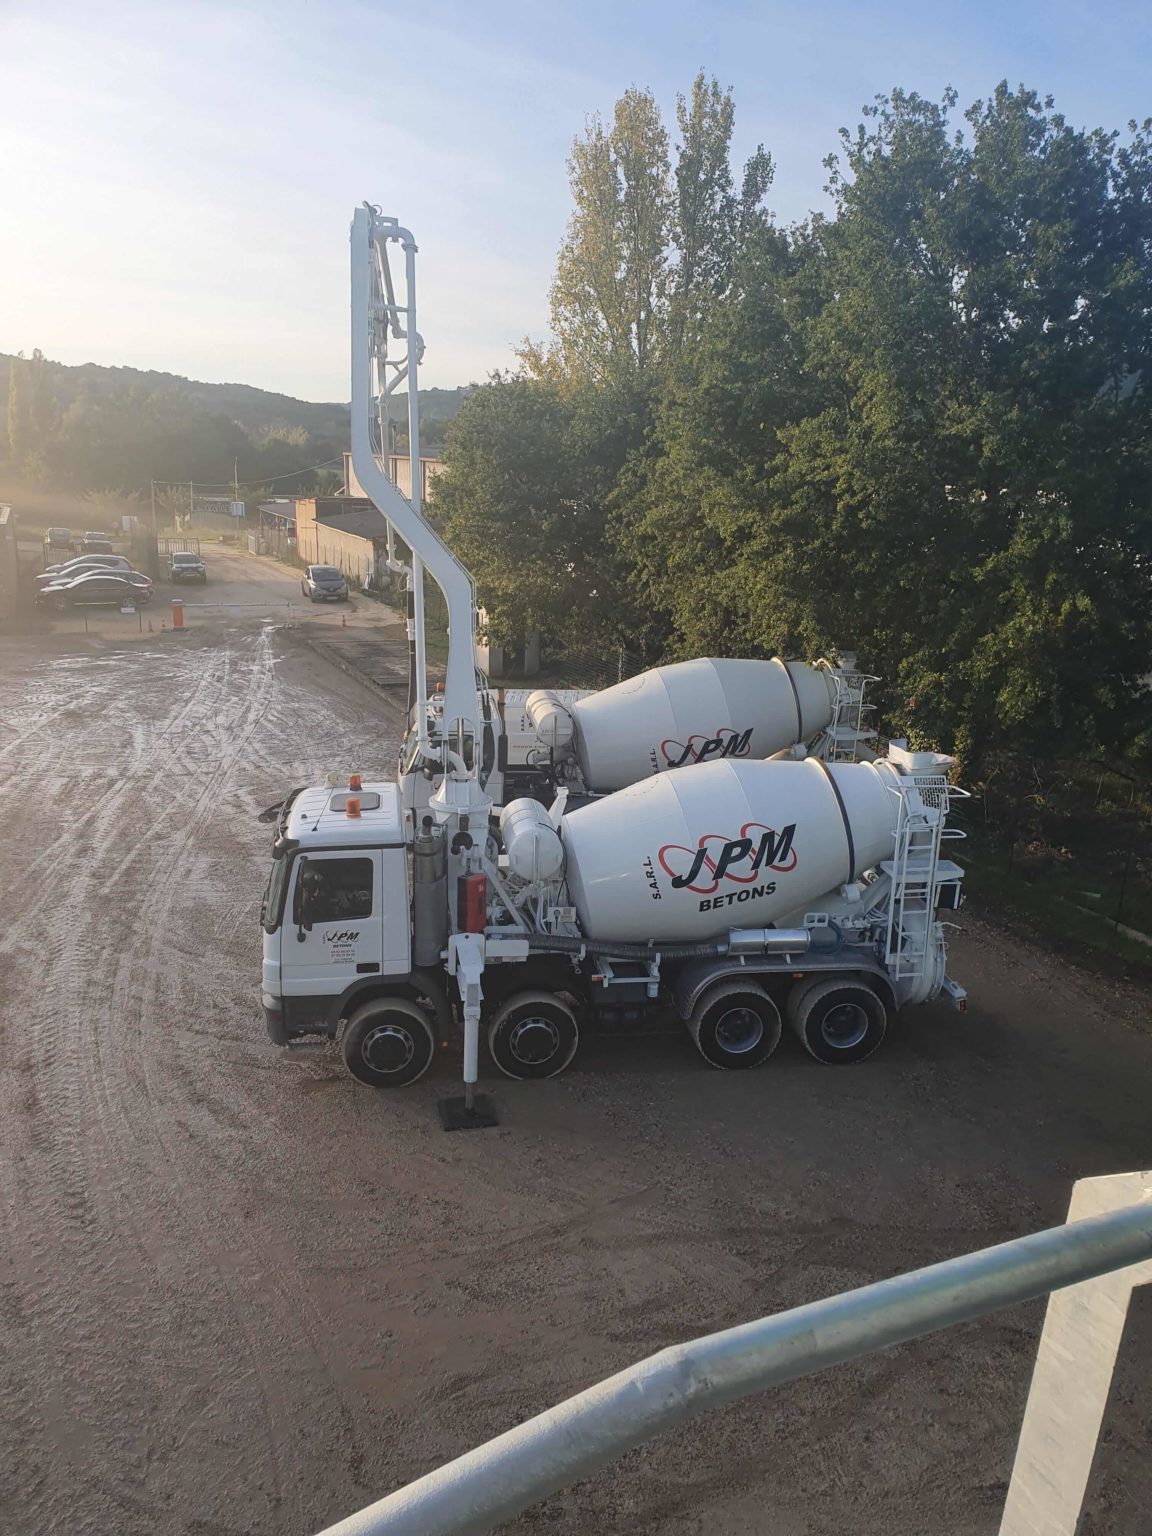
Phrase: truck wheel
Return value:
(533, 1034)
(388, 1043)
(735, 1025)
(840, 1022)
(796, 996)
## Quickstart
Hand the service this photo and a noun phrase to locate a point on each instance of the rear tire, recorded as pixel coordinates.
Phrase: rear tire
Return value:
(735, 1025)
(840, 1022)
(388, 1043)
(533, 1035)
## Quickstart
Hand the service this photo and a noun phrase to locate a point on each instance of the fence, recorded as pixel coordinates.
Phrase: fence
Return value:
(1069, 846)
(574, 668)
(539, 1457)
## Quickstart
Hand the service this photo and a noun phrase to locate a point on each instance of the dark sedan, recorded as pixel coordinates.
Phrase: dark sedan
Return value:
(187, 567)
(94, 589)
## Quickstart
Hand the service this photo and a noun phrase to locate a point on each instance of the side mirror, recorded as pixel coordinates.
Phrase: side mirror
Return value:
(300, 902)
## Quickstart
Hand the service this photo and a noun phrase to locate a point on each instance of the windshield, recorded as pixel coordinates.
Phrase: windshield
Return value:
(272, 907)
(185, 559)
(326, 573)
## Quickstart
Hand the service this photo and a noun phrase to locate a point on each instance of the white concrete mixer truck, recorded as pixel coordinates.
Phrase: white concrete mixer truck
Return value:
(734, 892)
(672, 717)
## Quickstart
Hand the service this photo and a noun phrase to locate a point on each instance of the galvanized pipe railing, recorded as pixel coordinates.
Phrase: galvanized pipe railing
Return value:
(500, 1479)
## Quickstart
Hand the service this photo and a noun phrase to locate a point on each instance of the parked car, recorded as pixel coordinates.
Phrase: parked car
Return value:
(69, 568)
(58, 538)
(187, 567)
(97, 589)
(324, 584)
(96, 544)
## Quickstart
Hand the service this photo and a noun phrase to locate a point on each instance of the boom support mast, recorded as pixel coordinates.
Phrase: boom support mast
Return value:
(380, 317)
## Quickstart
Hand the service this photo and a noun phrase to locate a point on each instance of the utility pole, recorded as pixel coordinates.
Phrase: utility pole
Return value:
(191, 504)
(152, 488)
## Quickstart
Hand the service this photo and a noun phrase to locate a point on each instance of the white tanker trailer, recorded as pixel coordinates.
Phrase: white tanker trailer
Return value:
(735, 895)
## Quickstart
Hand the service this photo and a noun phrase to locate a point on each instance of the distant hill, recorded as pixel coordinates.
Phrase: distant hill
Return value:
(90, 428)
(256, 410)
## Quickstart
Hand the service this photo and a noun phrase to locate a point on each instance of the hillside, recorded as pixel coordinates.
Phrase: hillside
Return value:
(256, 410)
(91, 427)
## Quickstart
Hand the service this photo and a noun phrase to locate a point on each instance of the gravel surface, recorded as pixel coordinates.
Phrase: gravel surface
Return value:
(239, 1295)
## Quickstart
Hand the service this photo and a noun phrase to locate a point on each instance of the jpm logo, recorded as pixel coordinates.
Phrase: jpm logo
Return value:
(704, 749)
(742, 860)
(341, 935)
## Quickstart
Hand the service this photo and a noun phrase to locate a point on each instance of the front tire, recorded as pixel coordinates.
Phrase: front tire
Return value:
(735, 1025)
(839, 1022)
(388, 1043)
(533, 1035)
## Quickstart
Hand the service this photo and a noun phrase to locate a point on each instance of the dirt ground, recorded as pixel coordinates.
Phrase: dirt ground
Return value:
(239, 1295)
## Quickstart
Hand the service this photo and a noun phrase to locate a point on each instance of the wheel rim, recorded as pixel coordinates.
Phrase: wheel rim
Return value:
(844, 1026)
(388, 1048)
(739, 1030)
(533, 1041)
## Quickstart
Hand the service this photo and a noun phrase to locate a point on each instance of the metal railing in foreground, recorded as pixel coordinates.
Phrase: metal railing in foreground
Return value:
(579, 1436)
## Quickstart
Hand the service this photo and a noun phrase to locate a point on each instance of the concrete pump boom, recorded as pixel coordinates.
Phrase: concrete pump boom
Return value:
(377, 317)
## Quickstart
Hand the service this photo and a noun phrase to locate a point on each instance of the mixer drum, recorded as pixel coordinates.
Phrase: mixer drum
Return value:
(698, 712)
(686, 856)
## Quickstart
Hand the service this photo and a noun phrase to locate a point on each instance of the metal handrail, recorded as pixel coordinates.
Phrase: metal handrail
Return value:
(500, 1479)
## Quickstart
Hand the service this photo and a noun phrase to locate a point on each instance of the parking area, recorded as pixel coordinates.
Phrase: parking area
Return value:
(243, 1295)
(240, 587)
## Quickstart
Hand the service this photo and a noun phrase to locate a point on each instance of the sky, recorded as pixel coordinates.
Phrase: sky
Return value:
(177, 179)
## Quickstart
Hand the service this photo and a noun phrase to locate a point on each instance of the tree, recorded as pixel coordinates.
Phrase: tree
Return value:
(710, 221)
(608, 294)
(31, 409)
(646, 252)
(956, 483)
(529, 466)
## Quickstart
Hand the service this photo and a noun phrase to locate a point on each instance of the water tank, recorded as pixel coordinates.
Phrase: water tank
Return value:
(698, 712)
(551, 719)
(684, 856)
(531, 842)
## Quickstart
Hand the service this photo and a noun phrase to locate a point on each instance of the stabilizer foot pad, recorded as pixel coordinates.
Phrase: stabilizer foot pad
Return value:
(454, 1116)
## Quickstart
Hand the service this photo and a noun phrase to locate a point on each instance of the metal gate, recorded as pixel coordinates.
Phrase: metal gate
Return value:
(178, 546)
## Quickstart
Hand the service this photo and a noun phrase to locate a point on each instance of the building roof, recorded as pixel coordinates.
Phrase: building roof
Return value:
(352, 516)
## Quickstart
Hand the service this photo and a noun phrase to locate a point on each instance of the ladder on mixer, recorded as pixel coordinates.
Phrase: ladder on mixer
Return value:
(848, 729)
(913, 870)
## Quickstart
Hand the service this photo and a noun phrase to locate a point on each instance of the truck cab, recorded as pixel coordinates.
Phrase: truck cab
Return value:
(336, 912)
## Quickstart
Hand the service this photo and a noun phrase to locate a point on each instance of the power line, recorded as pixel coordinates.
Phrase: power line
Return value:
(227, 485)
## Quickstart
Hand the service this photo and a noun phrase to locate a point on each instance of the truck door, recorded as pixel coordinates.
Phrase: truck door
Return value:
(332, 930)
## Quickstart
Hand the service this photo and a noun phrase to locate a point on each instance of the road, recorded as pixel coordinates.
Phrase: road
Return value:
(239, 1295)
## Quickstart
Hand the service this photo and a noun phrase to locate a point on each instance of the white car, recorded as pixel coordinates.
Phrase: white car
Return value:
(81, 564)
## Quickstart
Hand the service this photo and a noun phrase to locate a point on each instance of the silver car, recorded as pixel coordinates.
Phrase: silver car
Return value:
(324, 584)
